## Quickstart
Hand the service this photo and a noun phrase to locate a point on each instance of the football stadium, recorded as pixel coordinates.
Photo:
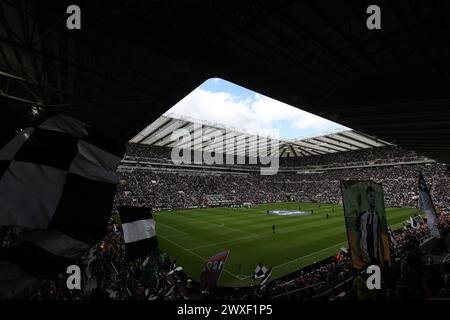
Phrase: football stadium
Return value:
(229, 151)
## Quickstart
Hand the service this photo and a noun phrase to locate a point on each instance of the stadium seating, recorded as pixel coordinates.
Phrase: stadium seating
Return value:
(396, 169)
(110, 276)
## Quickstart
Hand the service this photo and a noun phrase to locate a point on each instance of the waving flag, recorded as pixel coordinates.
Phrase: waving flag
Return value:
(392, 239)
(266, 278)
(260, 271)
(60, 174)
(426, 205)
(138, 231)
(213, 269)
(58, 179)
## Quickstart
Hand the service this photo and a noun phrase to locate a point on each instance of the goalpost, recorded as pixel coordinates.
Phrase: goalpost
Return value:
(247, 205)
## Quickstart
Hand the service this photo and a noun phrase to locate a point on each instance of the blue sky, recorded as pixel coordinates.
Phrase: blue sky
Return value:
(220, 101)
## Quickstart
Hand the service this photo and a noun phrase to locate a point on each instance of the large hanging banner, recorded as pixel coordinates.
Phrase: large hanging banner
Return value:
(365, 219)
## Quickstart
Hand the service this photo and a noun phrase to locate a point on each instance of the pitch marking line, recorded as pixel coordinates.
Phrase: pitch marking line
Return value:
(220, 225)
(198, 256)
(310, 254)
(240, 277)
(297, 259)
(222, 242)
(176, 229)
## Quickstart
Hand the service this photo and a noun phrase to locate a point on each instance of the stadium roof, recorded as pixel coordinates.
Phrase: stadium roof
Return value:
(159, 133)
(132, 60)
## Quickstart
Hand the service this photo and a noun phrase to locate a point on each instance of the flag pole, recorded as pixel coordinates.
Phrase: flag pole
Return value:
(225, 261)
(114, 267)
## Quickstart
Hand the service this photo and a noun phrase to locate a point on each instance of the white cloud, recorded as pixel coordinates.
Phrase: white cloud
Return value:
(258, 113)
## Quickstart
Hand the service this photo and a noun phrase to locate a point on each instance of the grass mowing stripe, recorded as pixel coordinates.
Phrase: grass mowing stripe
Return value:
(222, 242)
(173, 228)
(311, 254)
(298, 242)
(218, 225)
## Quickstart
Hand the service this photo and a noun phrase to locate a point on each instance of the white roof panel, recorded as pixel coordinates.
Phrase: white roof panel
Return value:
(243, 143)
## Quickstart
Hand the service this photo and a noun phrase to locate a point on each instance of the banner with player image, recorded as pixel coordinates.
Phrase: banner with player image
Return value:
(365, 219)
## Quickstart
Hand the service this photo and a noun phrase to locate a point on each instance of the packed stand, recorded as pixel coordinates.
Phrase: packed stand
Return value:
(166, 189)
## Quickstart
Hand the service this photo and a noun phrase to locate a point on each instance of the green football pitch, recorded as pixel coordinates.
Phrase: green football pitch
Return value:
(192, 236)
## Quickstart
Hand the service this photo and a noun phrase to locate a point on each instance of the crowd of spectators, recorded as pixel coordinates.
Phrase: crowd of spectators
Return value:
(411, 276)
(194, 188)
(108, 275)
(167, 189)
(388, 154)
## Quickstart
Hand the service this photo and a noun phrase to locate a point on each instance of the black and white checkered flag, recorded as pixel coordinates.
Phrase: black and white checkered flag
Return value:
(138, 231)
(260, 271)
(58, 178)
(263, 273)
(58, 175)
(266, 278)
